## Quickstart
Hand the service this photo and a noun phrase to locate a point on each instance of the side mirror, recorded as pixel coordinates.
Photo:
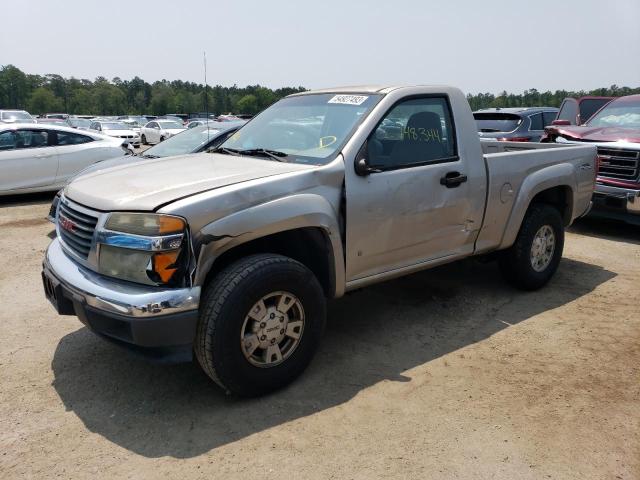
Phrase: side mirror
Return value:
(361, 165)
(561, 123)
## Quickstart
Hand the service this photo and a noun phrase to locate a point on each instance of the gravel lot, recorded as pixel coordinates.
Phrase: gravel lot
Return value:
(444, 374)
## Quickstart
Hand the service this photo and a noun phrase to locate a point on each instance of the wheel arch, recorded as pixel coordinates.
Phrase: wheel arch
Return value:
(303, 227)
(551, 186)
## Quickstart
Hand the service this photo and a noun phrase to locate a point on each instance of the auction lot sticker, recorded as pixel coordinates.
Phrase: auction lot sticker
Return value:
(349, 99)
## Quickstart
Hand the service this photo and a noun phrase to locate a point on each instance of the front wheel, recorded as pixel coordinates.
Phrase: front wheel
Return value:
(143, 139)
(162, 139)
(260, 323)
(534, 257)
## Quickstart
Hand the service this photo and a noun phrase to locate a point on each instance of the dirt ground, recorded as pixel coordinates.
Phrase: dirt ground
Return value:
(445, 374)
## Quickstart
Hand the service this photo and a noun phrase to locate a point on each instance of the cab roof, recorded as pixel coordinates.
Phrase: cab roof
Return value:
(383, 89)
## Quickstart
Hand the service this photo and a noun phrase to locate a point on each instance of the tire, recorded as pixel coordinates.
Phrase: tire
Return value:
(224, 320)
(161, 139)
(519, 264)
(143, 139)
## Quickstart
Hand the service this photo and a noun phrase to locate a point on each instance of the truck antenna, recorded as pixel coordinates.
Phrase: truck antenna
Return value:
(206, 96)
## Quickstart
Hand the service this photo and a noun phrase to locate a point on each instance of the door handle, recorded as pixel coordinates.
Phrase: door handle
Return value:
(453, 179)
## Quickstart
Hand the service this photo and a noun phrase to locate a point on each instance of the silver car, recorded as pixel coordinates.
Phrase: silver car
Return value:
(38, 157)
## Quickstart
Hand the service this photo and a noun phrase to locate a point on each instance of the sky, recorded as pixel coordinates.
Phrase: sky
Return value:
(478, 46)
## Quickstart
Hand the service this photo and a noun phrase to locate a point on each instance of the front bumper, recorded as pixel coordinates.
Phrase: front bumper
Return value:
(157, 322)
(624, 199)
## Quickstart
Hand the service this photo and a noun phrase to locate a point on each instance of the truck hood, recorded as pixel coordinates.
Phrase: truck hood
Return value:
(147, 185)
(596, 134)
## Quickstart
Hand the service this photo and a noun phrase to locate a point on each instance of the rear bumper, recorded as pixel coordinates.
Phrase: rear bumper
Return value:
(155, 322)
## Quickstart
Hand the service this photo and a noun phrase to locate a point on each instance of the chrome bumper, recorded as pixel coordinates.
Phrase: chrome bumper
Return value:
(113, 296)
(629, 198)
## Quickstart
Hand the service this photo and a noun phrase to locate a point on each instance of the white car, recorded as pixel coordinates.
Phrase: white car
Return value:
(39, 158)
(14, 116)
(158, 130)
(117, 129)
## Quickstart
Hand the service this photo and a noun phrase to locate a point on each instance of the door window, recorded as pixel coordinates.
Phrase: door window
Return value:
(549, 117)
(68, 138)
(413, 132)
(23, 139)
(7, 140)
(536, 122)
(590, 106)
(568, 110)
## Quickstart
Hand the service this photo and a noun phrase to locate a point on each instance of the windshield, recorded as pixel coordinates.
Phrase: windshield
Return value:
(171, 118)
(309, 128)
(188, 141)
(497, 122)
(170, 125)
(114, 126)
(623, 113)
(16, 116)
(79, 122)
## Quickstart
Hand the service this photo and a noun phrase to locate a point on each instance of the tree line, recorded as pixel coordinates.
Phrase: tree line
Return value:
(534, 98)
(40, 94)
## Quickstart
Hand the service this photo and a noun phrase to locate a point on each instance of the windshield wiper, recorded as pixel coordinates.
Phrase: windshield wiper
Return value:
(274, 154)
(228, 151)
(146, 155)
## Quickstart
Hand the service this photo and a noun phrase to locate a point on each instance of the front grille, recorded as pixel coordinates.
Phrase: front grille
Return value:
(76, 229)
(126, 136)
(618, 163)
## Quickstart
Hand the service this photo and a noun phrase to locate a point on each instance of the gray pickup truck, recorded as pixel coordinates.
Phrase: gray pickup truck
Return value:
(233, 254)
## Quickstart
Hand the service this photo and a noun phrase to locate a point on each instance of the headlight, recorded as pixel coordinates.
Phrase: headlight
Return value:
(145, 224)
(144, 248)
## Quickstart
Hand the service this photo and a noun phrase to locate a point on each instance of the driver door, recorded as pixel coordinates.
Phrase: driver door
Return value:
(417, 205)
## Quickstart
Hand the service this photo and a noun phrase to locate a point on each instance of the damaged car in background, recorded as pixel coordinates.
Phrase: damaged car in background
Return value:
(615, 131)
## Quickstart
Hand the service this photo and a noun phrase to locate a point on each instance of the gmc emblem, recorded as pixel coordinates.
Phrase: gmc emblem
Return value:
(66, 224)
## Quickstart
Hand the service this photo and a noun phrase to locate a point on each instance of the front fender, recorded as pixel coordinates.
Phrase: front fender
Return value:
(287, 213)
(560, 175)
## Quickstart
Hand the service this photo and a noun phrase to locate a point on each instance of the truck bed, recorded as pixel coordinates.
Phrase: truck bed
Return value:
(511, 165)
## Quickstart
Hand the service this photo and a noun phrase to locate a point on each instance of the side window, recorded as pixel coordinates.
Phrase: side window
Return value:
(536, 122)
(548, 117)
(413, 132)
(590, 106)
(7, 140)
(568, 110)
(67, 138)
(31, 138)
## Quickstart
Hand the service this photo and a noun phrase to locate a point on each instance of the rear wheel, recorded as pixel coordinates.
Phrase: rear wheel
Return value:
(261, 320)
(162, 139)
(534, 257)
